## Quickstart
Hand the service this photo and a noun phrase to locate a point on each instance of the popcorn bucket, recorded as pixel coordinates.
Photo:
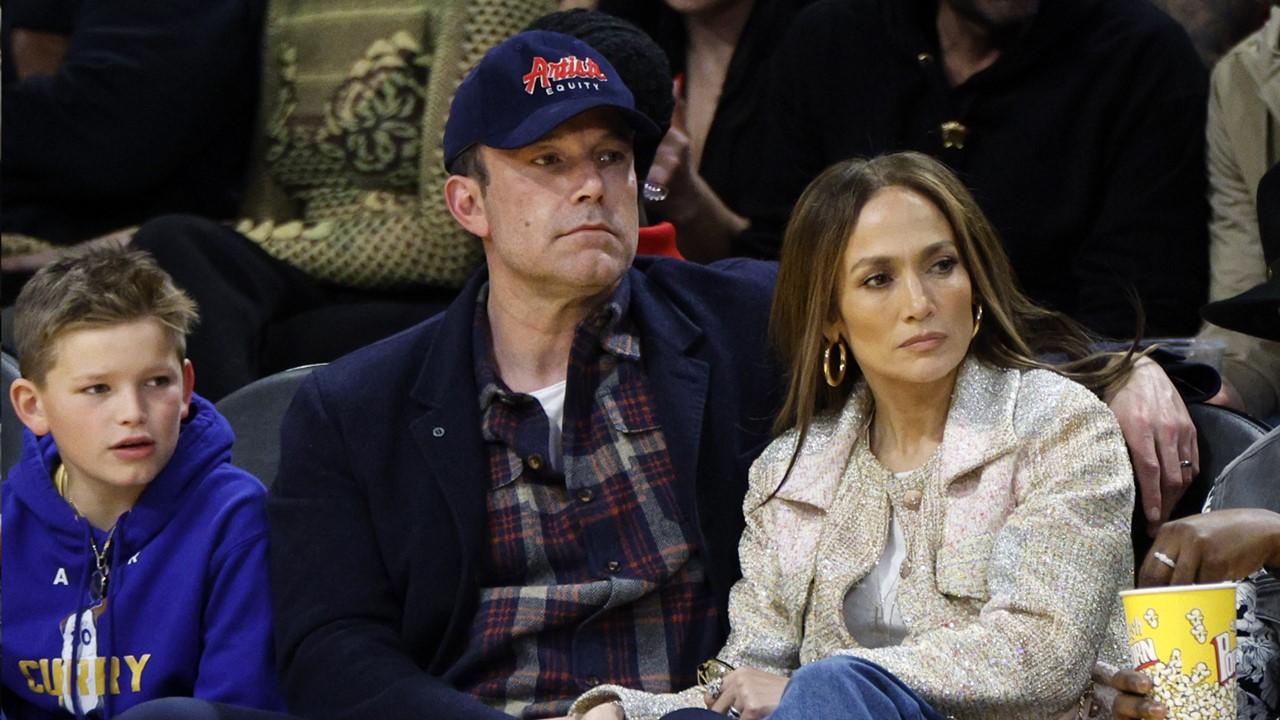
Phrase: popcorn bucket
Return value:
(1184, 638)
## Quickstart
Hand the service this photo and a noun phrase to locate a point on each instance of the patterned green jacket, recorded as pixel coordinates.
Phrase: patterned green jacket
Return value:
(348, 178)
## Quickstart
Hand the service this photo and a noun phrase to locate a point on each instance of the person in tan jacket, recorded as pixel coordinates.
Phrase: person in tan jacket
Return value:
(1244, 142)
(944, 528)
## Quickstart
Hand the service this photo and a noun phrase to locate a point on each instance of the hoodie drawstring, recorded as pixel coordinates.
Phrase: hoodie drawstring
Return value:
(113, 587)
(105, 631)
(73, 689)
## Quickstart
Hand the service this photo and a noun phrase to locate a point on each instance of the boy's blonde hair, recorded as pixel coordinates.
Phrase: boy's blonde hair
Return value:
(93, 288)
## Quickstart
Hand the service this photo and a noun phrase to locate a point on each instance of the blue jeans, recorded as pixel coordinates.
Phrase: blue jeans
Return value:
(840, 688)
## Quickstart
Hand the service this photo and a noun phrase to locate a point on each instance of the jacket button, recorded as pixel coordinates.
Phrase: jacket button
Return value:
(534, 461)
(585, 495)
(613, 566)
(954, 134)
(905, 570)
(437, 432)
(911, 499)
(925, 59)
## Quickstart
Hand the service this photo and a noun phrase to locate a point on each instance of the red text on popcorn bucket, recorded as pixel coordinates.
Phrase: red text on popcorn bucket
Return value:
(1226, 659)
(1143, 654)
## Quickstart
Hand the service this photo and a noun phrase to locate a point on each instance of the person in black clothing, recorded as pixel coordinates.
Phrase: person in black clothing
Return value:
(118, 111)
(719, 50)
(1078, 124)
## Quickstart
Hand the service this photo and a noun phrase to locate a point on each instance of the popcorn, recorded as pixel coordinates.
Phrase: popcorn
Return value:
(1188, 697)
(1192, 666)
(1196, 618)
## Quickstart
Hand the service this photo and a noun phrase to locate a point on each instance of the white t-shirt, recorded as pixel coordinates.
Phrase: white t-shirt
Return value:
(871, 609)
(551, 398)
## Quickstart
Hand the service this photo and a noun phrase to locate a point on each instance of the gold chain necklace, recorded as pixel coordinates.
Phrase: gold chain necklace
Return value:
(101, 558)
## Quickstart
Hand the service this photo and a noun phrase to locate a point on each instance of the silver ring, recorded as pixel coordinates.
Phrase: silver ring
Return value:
(734, 712)
(1184, 463)
(1164, 559)
(655, 192)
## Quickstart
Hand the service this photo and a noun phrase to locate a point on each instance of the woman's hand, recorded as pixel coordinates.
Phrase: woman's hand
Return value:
(705, 226)
(1125, 693)
(754, 694)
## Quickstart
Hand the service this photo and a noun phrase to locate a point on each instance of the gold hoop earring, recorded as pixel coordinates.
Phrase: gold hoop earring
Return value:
(834, 379)
(977, 322)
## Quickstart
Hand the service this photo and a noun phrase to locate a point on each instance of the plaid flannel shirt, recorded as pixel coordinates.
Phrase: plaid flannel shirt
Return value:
(592, 573)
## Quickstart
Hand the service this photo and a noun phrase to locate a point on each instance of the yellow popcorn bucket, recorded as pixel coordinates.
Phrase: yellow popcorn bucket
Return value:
(1184, 638)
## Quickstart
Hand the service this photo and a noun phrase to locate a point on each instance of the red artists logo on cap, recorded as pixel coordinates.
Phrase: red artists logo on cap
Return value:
(568, 68)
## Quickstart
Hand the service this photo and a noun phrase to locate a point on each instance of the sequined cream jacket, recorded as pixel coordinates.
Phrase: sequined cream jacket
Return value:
(1017, 543)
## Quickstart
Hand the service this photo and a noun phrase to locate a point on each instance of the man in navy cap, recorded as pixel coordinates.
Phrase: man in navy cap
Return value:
(540, 489)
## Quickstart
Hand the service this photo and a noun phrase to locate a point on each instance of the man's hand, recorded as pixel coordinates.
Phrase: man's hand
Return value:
(1160, 436)
(753, 693)
(1212, 547)
(1124, 693)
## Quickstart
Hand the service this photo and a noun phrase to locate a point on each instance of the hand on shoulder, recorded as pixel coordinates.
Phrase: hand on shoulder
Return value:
(1160, 436)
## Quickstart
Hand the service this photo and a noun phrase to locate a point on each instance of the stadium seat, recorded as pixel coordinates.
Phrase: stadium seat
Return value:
(255, 412)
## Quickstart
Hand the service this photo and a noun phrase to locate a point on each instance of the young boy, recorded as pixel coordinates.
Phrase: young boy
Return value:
(134, 554)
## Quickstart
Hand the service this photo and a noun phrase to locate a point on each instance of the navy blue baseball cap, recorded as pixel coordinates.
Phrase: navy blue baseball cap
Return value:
(529, 84)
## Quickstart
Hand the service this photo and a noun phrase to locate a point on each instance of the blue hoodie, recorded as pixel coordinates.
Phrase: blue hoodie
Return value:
(187, 611)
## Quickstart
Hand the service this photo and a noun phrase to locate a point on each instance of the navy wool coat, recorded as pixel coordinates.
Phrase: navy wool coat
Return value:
(378, 513)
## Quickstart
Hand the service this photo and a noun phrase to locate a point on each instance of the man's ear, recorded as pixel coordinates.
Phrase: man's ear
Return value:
(25, 397)
(466, 202)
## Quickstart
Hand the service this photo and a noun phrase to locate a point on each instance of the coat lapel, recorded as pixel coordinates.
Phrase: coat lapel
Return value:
(980, 422)
(979, 428)
(678, 379)
(1260, 61)
(447, 432)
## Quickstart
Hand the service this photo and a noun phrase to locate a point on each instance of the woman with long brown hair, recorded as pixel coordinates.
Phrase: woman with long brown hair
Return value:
(945, 520)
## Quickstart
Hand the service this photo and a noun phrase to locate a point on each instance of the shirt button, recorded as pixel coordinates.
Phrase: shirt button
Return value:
(905, 570)
(534, 461)
(911, 499)
(613, 566)
(585, 495)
